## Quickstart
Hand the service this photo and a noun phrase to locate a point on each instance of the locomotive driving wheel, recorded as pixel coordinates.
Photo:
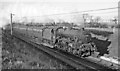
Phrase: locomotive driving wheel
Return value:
(86, 50)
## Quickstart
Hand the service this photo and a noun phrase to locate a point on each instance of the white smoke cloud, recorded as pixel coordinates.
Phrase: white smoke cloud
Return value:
(37, 13)
(34, 10)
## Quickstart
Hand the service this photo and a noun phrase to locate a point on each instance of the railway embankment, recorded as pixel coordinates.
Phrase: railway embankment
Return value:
(19, 55)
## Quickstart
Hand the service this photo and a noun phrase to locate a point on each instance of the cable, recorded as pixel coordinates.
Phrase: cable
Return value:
(85, 11)
(105, 12)
(78, 12)
(101, 9)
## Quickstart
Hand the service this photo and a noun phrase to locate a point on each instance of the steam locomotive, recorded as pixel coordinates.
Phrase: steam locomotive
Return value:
(69, 39)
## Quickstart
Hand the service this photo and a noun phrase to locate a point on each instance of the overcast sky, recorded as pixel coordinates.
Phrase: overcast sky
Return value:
(27, 8)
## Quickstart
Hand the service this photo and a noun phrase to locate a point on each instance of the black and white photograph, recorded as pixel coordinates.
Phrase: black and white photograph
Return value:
(60, 35)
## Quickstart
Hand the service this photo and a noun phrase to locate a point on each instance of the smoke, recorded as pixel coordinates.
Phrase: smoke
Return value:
(28, 12)
(4, 19)
(5, 9)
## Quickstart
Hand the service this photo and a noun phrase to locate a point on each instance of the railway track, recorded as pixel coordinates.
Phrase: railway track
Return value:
(76, 62)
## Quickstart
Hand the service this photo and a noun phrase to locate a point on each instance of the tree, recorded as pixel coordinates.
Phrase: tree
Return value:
(91, 19)
(115, 19)
(85, 16)
(97, 19)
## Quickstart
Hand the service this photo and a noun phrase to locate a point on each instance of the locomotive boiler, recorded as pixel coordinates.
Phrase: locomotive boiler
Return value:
(69, 39)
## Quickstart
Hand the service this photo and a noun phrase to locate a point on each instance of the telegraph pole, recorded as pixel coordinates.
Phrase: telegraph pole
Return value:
(91, 19)
(84, 18)
(11, 16)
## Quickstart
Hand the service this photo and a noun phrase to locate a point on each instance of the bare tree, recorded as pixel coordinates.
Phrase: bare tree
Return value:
(91, 19)
(115, 19)
(97, 19)
(85, 16)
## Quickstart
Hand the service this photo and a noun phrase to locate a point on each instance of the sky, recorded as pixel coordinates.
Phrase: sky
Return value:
(37, 9)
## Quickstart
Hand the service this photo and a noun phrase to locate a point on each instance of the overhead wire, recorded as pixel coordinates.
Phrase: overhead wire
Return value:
(84, 12)
(78, 12)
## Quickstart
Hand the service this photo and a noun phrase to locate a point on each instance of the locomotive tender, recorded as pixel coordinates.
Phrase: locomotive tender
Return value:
(70, 39)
